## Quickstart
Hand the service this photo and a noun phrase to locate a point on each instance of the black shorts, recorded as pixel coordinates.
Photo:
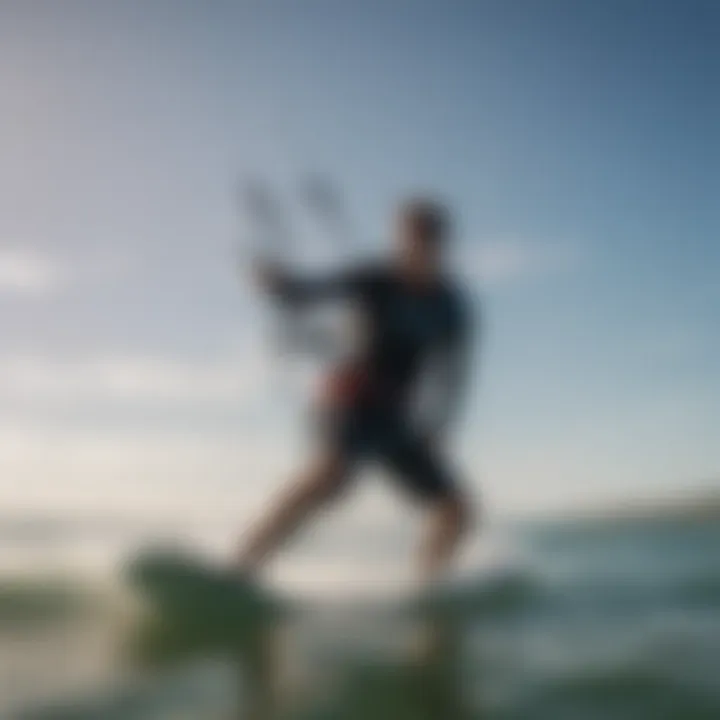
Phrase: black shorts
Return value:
(383, 435)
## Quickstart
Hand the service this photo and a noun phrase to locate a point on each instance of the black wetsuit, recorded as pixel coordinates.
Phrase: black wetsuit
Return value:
(409, 331)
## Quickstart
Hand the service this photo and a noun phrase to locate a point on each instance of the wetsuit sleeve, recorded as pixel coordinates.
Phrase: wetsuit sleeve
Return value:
(451, 372)
(297, 290)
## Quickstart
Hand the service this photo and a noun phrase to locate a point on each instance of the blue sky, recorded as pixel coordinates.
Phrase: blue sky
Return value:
(578, 140)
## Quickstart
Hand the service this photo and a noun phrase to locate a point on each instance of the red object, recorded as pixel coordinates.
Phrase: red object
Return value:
(344, 386)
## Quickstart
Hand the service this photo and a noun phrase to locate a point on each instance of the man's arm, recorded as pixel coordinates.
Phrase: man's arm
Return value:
(297, 290)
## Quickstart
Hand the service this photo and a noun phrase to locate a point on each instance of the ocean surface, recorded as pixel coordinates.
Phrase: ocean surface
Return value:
(602, 620)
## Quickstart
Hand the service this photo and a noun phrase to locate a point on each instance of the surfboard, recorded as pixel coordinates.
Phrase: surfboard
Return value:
(181, 584)
(193, 606)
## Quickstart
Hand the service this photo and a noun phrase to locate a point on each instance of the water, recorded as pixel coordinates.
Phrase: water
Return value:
(603, 621)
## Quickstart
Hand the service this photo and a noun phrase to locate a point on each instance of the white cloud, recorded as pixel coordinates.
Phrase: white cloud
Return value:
(155, 475)
(504, 261)
(34, 272)
(132, 378)
(29, 272)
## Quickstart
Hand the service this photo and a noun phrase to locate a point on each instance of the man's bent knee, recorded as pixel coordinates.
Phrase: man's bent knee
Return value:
(456, 509)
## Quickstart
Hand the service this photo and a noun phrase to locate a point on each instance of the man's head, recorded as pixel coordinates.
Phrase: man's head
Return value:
(423, 231)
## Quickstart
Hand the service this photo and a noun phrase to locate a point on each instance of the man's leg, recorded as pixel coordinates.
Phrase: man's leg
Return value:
(425, 475)
(319, 484)
(447, 524)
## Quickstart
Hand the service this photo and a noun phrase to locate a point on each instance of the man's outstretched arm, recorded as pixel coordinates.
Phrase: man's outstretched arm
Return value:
(295, 289)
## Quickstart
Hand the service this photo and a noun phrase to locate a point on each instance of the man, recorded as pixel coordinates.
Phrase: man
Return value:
(415, 320)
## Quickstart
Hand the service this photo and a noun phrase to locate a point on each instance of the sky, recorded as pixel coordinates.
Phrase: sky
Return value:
(578, 142)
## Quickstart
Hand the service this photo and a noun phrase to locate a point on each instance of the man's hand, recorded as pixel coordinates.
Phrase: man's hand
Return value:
(267, 275)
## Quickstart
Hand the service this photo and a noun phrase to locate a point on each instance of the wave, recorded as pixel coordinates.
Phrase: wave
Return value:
(640, 692)
(606, 642)
(40, 601)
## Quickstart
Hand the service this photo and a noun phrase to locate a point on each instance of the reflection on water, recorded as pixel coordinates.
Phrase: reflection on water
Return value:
(390, 660)
(611, 623)
(281, 669)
